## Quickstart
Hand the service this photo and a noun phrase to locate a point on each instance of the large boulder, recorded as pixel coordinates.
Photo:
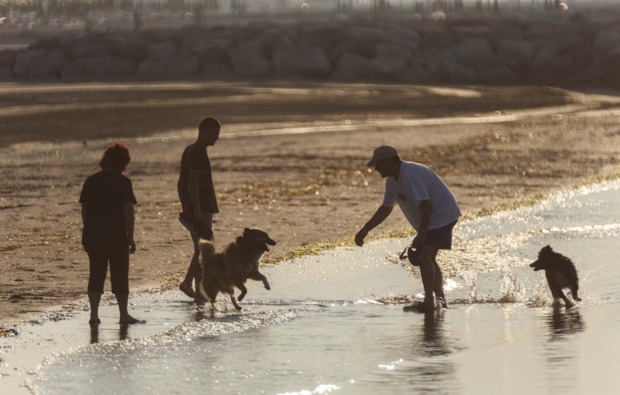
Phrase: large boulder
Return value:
(358, 46)
(403, 38)
(500, 75)
(613, 57)
(270, 41)
(477, 53)
(212, 53)
(437, 36)
(539, 29)
(6, 73)
(90, 49)
(606, 40)
(7, 58)
(249, 59)
(368, 34)
(447, 68)
(162, 50)
(23, 60)
(324, 36)
(49, 65)
(521, 51)
(181, 65)
(462, 33)
(107, 65)
(127, 46)
(416, 74)
(301, 60)
(393, 50)
(548, 63)
(387, 66)
(581, 58)
(428, 55)
(351, 67)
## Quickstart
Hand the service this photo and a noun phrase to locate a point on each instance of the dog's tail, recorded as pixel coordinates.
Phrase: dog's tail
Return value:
(207, 249)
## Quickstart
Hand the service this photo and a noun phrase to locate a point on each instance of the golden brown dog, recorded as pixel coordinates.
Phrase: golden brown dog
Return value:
(223, 271)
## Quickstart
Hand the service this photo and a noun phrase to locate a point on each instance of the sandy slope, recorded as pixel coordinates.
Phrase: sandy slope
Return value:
(291, 160)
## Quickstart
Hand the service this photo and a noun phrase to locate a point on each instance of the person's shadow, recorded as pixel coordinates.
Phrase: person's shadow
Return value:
(564, 322)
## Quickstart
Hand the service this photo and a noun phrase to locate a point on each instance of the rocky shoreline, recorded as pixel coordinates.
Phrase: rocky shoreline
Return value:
(555, 50)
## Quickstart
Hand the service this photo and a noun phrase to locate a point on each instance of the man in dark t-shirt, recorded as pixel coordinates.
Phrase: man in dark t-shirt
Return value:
(197, 196)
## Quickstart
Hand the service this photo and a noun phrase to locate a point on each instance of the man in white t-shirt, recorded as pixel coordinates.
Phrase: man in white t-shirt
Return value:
(428, 205)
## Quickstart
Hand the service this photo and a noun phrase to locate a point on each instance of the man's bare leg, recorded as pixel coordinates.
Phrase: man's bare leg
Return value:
(438, 285)
(429, 275)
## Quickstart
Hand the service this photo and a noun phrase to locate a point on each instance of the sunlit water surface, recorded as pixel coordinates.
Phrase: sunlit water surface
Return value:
(335, 324)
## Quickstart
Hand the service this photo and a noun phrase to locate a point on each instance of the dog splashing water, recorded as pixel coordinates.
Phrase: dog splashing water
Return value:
(223, 271)
(560, 272)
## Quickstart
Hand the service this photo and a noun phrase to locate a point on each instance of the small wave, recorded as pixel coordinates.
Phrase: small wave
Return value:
(221, 323)
(321, 389)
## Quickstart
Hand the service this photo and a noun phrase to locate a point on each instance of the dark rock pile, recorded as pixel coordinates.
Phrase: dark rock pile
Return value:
(463, 50)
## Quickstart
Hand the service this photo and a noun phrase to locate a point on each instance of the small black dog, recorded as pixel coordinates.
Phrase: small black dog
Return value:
(560, 272)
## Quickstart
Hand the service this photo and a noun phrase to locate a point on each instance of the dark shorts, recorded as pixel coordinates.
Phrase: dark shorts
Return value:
(118, 259)
(440, 237)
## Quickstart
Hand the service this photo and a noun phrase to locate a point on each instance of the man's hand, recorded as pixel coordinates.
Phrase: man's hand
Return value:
(132, 246)
(418, 241)
(359, 237)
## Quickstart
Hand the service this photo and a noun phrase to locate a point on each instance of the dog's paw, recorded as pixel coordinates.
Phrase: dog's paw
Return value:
(267, 287)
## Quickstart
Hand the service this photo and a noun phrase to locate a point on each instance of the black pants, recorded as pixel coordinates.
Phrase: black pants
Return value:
(118, 258)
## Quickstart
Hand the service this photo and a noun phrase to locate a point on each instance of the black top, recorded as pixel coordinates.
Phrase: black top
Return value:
(104, 225)
(196, 158)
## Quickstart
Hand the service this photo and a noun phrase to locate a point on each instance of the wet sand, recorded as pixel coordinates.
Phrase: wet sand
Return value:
(501, 324)
(291, 160)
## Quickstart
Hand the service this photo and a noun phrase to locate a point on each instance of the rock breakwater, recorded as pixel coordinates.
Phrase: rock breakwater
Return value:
(480, 50)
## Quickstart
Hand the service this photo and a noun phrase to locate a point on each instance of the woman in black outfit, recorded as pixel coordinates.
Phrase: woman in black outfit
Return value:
(107, 200)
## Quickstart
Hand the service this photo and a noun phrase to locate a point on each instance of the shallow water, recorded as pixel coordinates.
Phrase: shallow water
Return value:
(335, 324)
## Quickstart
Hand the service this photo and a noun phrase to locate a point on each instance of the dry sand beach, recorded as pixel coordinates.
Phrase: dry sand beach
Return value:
(291, 160)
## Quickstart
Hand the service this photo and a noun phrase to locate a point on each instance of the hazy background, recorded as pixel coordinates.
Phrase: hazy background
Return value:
(28, 19)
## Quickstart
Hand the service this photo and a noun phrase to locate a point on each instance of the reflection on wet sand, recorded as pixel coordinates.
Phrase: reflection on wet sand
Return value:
(563, 322)
(123, 333)
(434, 340)
(429, 352)
(561, 355)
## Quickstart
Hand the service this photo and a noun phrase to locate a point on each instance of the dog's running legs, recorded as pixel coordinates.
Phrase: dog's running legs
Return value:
(573, 291)
(260, 277)
(558, 294)
(243, 289)
(212, 315)
(234, 302)
(566, 300)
